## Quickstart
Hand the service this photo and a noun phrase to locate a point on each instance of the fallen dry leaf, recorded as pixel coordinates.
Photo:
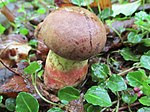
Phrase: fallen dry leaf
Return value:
(13, 49)
(14, 85)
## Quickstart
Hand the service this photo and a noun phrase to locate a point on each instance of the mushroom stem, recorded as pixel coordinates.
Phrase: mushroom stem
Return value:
(61, 72)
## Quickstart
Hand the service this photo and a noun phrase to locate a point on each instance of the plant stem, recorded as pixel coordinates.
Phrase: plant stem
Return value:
(99, 7)
(117, 33)
(124, 72)
(143, 2)
(118, 102)
(38, 92)
(88, 6)
(2, 105)
(43, 97)
(135, 65)
(129, 108)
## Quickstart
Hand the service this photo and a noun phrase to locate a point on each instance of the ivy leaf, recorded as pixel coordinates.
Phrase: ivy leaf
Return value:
(23, 31)
(107, 12)
(25, 102)
(93, 108)
(136, 78)
(142, 20)
(99, 71)
(2, 29)
(126, 9)
(1, 98)
(145, 61)
(134, 37)
(144, 109)
(147, 53)
(33, 43)
(146, 42)
(10, 104)
(41, 10)
(55, 109)
(146, 88)
(68, 93)
(116, 83)
(129, 98)
(141, 15)
(145, 100)
(128, 55)
(97, 95)
(32, 68)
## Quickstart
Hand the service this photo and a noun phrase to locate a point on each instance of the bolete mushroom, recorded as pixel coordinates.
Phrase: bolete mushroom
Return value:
(73, 34)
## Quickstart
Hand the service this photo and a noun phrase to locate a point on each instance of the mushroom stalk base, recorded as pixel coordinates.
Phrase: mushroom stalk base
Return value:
(61, 72)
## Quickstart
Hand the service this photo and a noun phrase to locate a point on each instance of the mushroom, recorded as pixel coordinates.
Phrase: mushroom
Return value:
(73, 34)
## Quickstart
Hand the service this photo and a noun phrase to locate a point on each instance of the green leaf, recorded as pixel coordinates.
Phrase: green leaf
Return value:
(99, 71)
(134, 37)
(33, 68)
(40, 73)
(144, 109)
(64, 102)
(2, 29)
(128, 55)
(33, 43)
(147, 53)
(10, 104)
(126, 9)
(145, 100)
(107, 12)
(93, 108)
(142, 20)
(23, 31)
(1, 98)
(41, 10)
(140, 15)
(25, 102)
(116, 83)
(82, 2)
(136, 78)
(145, 61)
(68, 93)
(129, 98)
(21, 9)
(1, 5)
(146, 42)
(97, 95)
(146, 87)
(55, 109)
(11, 0)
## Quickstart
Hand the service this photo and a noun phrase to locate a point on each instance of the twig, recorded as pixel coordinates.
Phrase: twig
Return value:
(8, 67)
(8, 14)
(125, 107)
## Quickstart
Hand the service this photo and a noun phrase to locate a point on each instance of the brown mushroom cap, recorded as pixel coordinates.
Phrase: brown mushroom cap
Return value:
(73, 33)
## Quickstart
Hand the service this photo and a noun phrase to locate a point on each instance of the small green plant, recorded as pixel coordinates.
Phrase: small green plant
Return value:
(10, 104)
(2, 29)
(26, 102)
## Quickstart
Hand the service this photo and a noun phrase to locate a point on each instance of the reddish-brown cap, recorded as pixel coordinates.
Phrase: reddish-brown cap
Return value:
(73, 33)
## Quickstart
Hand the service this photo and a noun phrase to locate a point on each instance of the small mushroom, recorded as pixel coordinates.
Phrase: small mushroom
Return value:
(73, 34)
